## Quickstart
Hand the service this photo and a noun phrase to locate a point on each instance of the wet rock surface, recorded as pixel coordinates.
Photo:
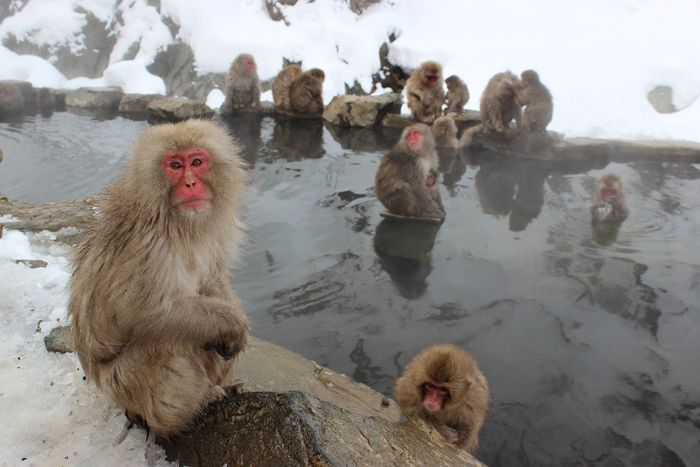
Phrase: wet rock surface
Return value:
(11, 100)
(105, 99)
(361, 111)
(295, 428)
(59, 340)
(136, 103)
(173, 109)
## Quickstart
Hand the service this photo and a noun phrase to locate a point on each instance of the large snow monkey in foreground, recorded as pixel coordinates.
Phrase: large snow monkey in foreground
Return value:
(156, 322)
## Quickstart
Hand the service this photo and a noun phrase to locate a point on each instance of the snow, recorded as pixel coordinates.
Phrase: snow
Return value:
(51, 415)
(599, 58)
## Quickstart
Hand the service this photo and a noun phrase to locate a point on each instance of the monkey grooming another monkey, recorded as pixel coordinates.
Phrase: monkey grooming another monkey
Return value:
(306, 93)
(444, 386)
(498, 104)
(242, 84)
(424, 92)
(609, 203)
(281, 86)
(457, 94)
(536, 99)
(156, 323)
(406, 181)
(445, 132)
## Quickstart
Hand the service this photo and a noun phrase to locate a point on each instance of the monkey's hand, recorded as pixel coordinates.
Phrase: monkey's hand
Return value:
(229, 344)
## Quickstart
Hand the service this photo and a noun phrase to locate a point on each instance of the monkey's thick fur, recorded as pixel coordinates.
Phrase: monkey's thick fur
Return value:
(150, 287)
(498, 105)
(536, 98)
(406, 181)
(445, 132)
(242, 87)
(463, 413)
(425, 98)
(282, 84)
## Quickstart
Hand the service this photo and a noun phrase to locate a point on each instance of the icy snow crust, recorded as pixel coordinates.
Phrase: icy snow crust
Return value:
(599, 58)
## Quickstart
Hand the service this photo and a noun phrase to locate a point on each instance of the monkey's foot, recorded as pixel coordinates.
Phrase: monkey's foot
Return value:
(431, 220)
(234, 390)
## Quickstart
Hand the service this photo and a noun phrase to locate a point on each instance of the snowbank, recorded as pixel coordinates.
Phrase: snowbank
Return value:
(599, 58)
(51, 415)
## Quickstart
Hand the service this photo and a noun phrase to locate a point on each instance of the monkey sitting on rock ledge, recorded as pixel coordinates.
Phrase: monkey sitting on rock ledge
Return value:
(406, 181)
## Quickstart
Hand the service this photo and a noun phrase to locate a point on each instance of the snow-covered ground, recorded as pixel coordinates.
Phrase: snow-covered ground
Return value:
(599, 58)
(51, 416)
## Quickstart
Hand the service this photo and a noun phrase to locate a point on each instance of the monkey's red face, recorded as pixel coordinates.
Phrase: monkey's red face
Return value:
(432, 79)
(609, 193)
(249, 65)
(413, 138)
(434, 396)
(187, 170)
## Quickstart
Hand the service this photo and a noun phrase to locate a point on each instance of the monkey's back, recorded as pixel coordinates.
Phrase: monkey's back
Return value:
(282, 83)
(397, 179)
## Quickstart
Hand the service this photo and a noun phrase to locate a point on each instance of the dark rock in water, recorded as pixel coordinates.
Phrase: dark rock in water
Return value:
(136, 103)
(661, 98)
(59, 340)
(295, 428)
(106, 99)
(174, 109)
(465, 119)
(11, 99)
(46, 99)
(361, 111)
(32, 263)
(265, 108)
(28, 93)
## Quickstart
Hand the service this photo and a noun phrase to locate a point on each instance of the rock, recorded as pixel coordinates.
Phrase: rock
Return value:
(59, 340)
(106, 99)
(358, 6)
(389, 76)
(46, 99)
(61, 98)
(28, 94)
(175, 65)
(32, 263)
(661, 98)
(173, 109)
(11, 100)
(265, 108)
(295, 428)
(136, 103)
(362, 111)
(97, 40)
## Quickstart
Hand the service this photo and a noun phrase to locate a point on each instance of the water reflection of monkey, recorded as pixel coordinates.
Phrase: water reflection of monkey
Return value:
(246, 128)
(297, 139)
(511, 188)
(404, 249)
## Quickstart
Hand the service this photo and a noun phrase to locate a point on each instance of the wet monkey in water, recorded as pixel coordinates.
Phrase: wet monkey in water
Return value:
(609, 203)
(156, 323)
(444, 385)
(406, 181)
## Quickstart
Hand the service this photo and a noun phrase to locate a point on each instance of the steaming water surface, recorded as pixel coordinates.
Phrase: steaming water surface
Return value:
(590, 339)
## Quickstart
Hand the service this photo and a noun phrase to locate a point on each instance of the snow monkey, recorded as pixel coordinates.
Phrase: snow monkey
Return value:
(424, 92)
(281, 86)
(444, 386)
(306, 93)
(457, 94)
(406, 181)
(242, 84)
(156, 323)
(536, 99)
(445, 132)
(498, 104)
(609, 203)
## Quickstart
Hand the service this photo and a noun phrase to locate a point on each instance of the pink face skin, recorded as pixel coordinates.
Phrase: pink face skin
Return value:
(609, 193)
(432, 79)
(187, 170)
(431, 180)
(434, 396)
(414, 138)
(249, 65)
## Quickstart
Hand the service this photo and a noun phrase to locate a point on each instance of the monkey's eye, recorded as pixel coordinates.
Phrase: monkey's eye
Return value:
(197, 162)
(175, 165)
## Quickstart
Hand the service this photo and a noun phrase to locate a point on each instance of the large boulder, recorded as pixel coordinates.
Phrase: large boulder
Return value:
(361, 111)
(28, 94)
(295, 428)
(136, 103)
(173, 109)
(104, 99)
(11, 100)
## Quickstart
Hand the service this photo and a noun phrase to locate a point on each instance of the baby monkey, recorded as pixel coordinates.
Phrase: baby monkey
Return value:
(444, 386)
(609, 203)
